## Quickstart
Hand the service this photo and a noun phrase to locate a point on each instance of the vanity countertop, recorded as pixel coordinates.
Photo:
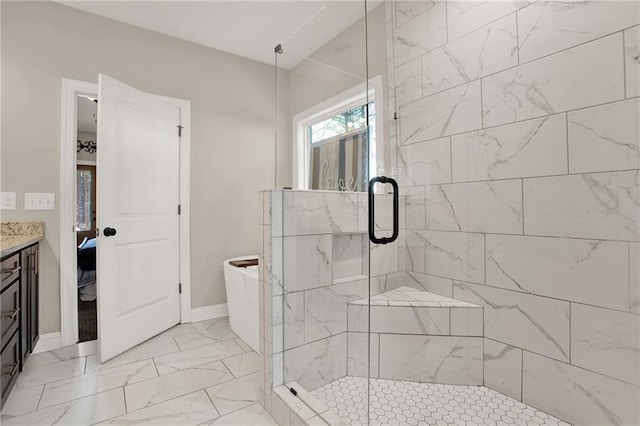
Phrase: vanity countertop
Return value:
(15, 236)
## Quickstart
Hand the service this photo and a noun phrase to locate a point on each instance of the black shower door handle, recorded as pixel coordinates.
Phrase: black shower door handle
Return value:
(372, 220)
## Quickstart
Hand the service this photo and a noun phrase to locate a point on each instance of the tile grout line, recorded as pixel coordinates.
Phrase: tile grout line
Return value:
(507, 123)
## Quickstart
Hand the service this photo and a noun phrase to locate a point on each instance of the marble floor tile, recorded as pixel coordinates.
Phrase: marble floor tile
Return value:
(146, 350)
(21, 401)
(201, 326)
(241, 365)
(243, 345)
(83, 411)
(235, 394)
(204, 337)
(192, 409)
(40, 375)
(63, 354)
(253, 415)
(96, 382)
(166, 387)
(183, 360)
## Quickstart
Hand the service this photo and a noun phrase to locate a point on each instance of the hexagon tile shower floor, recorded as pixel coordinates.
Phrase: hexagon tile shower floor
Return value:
(396, 402)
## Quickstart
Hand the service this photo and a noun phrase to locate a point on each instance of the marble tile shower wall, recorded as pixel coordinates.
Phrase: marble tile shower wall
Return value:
(322, 238)
(518, 153)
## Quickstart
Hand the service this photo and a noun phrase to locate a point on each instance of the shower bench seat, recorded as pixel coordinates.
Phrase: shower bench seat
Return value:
(419, 336)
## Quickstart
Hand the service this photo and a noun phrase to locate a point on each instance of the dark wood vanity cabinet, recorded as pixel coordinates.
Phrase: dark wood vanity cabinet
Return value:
(18, 313)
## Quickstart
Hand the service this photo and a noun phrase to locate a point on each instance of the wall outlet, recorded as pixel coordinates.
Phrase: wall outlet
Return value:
(36, 201)
(7, 201)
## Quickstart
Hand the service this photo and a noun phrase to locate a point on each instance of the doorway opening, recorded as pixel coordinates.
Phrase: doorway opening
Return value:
(86, 216)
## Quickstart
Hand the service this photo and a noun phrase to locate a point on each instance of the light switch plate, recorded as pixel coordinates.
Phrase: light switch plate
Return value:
(39, 201)
(7, 201)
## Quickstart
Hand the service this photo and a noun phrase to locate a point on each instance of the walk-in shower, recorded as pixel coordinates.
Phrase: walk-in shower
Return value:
(461, 241)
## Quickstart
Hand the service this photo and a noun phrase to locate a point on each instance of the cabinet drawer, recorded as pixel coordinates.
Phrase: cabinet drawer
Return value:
(10, 365)
(9, 312)
(10, 269)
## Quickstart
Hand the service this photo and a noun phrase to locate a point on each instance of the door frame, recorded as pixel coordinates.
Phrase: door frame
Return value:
(67, 199)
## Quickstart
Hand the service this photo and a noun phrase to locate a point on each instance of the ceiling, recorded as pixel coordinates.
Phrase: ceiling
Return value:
(86, 114)
(247, 28)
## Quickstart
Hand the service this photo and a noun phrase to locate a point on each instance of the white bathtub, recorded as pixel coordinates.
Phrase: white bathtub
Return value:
(242, 301)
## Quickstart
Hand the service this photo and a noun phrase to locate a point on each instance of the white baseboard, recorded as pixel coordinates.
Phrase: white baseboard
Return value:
(48, 342)
(209, 312)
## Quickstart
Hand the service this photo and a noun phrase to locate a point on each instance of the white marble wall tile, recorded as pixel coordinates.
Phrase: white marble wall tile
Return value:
(414, 259)
(408, 80)
(277, 374)
(406, 10)
(529, 148)
(192, 409)
(387, 282)
(96, 382)
(464, 16)
(556, 83)
(307, 262)
(235, 394)
(89, 410)
(294, 320)
(424, 32)
(605, 138)
(452, 111)
(475, 207)
(601, 205)
(384, 258)
(437, 285)
(169, 386)
(275, 212)
(486, 51)
(503, 368)
(326, 308)
(569, 269)
(426, 163)
(454, 255)
(357, 360)
(383, 214)
(577, 395)
(316, 364)
(415, 209)
(632, 60)
(467, 322)
(319, 212)
(274, 265)
(347, 255)
(551, 26)
(606, 342)
(634, 277)
(437, 359)
(399, 319)
(538, 324)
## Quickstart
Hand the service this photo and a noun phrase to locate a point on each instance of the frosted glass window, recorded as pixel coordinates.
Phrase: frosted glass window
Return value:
(84, 197)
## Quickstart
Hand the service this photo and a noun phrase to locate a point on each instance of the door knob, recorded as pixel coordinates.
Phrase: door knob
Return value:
(108, 232)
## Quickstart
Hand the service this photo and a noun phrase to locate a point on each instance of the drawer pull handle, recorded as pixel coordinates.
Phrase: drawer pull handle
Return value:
(13, 371)
(11, 271)
(10, 314)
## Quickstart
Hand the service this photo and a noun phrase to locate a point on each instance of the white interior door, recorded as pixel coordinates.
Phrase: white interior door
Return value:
(138, 195)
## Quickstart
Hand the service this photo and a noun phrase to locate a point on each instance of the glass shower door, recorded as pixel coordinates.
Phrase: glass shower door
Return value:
(320, 249)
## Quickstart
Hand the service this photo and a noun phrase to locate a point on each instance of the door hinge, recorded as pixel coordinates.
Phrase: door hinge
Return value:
(179, 131)
(179, 209)
(180, 288)
(395, 115)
